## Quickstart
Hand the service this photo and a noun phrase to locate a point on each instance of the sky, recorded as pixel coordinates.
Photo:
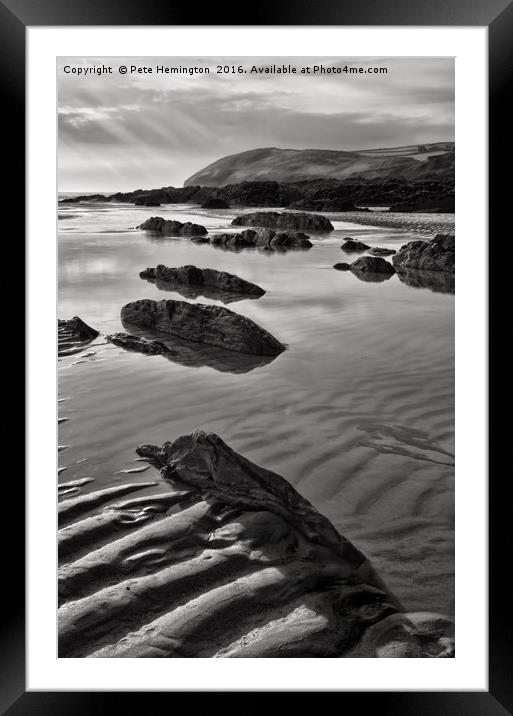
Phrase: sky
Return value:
(120, 132)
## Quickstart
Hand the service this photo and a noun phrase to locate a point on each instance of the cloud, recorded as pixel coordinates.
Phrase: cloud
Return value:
(123, 132)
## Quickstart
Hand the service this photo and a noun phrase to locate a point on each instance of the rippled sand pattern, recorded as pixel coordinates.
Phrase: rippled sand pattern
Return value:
(357, 414)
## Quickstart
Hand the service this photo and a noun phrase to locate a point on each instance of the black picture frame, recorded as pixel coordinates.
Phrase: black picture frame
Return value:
(15, 17)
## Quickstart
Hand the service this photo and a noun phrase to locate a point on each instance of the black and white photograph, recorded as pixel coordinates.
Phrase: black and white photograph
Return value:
(256, 346)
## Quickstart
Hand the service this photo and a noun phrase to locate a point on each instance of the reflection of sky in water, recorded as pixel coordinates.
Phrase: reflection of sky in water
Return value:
(357, 413)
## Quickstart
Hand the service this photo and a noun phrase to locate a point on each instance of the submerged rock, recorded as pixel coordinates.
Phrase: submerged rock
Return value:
(378, 251)
(215, 204)
(372, 264)
(73, 334)
(435, 255)
(214, 325)
(228, 560)
(193, 276)
(139, 344)
(172, 228)
(353, 246)
(286, 220)
(342, 267)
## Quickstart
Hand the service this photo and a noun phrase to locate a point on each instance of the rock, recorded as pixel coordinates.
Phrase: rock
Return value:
(138, 344)
(377, 251)
(223, 559)
(291, 239)
(353, 246)
(193, 276)
(73, 335)
(372, 264)
(342, 267)
(435, 255)
(265, 239)
(215, 204)
(285, 220)
(214, 325)
(172, 228)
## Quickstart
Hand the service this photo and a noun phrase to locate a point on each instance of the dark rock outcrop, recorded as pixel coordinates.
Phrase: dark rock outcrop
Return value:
(215, 204)
(435, 255)
(193, 276)
(142, 201)
(342, 267)
(172, 228)
(285, 220)
(372, 264)
(222, 559)
(428, 187)
(139, 344)
(377, 251)
(73, 334)
(353, 246)
(214, 325)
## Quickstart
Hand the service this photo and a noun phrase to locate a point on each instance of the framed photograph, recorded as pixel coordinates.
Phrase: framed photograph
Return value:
(257, 401)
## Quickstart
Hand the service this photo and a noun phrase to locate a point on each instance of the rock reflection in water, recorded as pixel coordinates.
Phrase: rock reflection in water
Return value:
(369, 277)
(199, 355)
(193, 292)
(436, 281)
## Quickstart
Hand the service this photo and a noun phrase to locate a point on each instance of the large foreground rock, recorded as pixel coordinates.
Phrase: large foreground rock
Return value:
(73, 334)
(193, 276)
(222, 558)
(214, 325)
(435, 255)
(172, 228)
(286, 220)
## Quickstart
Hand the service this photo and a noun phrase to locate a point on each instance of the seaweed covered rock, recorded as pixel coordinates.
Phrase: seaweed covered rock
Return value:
(214, 325)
